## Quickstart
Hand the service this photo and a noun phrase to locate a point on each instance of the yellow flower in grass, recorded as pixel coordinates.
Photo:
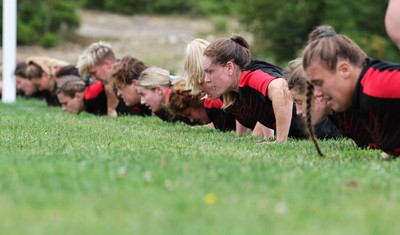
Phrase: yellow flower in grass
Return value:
(210, 199)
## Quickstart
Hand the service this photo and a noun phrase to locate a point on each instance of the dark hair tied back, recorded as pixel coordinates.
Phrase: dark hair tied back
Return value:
(326, 33)
(240, 40)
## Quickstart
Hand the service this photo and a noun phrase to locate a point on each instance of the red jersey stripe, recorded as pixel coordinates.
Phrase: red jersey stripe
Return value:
(93, 90)
(381, 84)
(257, 80)
(212, 104)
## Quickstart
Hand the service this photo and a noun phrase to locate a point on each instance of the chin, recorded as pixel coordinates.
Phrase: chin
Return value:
(213, 96)
(338, 108)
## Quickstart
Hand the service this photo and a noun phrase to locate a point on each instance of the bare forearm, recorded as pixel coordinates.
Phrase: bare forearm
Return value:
(283, 117)
(282, 105)
(112, 101)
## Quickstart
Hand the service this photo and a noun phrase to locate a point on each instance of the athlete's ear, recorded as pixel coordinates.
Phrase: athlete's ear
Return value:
(344, 68)
(230, 66)
(44, 75)
(159, 89)
(108, 63)
(79, 94)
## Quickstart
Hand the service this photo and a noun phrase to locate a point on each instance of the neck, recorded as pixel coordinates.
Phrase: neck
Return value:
(236, 80)
(52, 84)
(355, 75)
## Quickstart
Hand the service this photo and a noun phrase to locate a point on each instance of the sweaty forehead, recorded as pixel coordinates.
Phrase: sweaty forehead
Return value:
(296, 95)
(62, 97)
(141, 89)
(314, 71)
(207, 62)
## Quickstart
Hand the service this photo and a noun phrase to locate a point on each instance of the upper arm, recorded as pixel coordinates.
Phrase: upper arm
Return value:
(278, 89)
(392, 21)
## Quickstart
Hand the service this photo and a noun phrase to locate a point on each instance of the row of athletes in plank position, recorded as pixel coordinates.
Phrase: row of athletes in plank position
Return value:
(333, 90)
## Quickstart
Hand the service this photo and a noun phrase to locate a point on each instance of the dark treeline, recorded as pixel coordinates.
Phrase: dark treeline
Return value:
(280, 28)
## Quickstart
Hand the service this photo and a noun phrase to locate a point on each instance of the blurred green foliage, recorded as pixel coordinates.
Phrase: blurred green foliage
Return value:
(191, 7)
(280, 28)
(43, 21)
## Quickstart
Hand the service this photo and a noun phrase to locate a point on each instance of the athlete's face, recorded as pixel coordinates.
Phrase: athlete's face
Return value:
(42, 83)
(300, 103)
(319, 107)
(334, 86)
(101, 71)
(71, 105)
(197, 115)
(25, 85)
(218, 79)
(129, 94)
(152, 98)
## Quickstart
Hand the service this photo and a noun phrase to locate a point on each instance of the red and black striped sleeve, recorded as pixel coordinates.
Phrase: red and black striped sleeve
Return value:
(378, 87)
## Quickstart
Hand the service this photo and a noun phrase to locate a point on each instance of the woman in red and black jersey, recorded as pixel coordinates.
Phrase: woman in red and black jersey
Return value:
(253, 91)
(154, 86)
(319, 116)
(124, 76)
(75, 96)
(349, 80)
(199, 109)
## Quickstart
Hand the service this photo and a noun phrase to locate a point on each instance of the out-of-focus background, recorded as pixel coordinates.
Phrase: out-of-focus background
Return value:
(155, 31)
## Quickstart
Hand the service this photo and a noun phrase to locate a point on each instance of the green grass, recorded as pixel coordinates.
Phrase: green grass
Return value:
(66, 174)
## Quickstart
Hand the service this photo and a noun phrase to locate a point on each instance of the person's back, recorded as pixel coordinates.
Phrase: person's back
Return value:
(376, 98)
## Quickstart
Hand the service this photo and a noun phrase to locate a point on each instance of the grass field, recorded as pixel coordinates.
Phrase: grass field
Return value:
(66, 174)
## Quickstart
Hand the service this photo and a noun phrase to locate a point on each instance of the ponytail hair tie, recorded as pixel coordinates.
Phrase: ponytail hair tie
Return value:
(172, 78)
(326, 33)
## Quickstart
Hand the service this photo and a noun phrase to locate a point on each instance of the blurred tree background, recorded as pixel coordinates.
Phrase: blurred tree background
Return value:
(280, 28)
(44, 22)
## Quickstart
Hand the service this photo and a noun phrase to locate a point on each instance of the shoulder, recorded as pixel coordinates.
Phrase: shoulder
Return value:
(94, 90)
(210, 104)
(381, 79)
